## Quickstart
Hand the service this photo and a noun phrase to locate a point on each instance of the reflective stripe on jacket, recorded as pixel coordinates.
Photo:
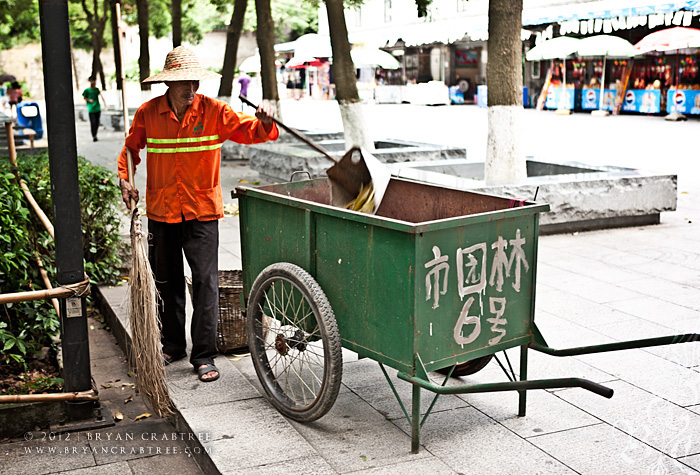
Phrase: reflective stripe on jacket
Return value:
(183, 159)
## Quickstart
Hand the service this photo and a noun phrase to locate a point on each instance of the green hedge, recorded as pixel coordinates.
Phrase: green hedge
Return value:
(28, 326)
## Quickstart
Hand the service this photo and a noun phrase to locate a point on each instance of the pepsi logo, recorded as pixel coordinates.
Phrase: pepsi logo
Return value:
(590, 96)
(679, 98)
(629, 98)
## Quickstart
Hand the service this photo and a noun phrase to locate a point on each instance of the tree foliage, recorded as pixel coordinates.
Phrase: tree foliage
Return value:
(19, 22)
(291, 18)
(26, 327)
(198, 17)
(94, 15)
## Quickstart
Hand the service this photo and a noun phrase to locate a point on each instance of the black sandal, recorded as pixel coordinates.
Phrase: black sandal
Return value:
(207, 369)
(171, 359)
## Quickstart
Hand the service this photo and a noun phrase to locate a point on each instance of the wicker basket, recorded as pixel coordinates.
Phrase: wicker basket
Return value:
(231, 331)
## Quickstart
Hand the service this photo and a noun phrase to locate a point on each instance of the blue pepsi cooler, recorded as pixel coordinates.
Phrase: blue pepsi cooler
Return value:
(29, 117)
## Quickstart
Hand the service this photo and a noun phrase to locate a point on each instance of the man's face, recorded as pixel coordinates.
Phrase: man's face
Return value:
(182, 92)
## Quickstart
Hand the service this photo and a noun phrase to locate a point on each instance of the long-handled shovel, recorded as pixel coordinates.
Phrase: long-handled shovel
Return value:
(146, 352)
(357, 169)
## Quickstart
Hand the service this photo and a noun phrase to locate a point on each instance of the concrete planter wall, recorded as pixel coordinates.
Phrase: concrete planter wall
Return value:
(278, 160)
(581, 197)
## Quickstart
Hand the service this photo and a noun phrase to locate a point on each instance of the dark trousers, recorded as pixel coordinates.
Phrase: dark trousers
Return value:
(200, 242)
(94, 122)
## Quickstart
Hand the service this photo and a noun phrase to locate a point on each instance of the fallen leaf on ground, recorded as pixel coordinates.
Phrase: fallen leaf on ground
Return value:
(106, 386)
(128, 400)
(128, 384)
(131, 374)
(118, 416)
(142, 416)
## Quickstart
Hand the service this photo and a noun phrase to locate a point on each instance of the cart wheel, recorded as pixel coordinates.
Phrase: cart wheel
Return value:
(294, 342)
(470, 367)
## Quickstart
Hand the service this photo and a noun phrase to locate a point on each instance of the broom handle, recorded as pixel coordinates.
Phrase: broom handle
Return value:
(125, 111)
(298, 135)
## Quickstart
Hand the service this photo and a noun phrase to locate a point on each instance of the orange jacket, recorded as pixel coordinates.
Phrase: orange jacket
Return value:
(183, 160)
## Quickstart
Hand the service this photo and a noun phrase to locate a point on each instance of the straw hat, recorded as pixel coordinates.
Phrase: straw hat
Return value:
(182, 65)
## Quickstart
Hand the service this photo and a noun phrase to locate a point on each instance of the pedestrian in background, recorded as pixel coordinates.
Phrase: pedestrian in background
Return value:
(92, 97)
(243, 81)
(14, 97)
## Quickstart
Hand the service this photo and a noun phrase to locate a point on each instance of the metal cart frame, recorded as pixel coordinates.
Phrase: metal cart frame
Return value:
(438, 279)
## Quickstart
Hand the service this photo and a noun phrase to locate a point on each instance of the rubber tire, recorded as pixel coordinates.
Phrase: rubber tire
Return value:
(468, 368)
(329, 336)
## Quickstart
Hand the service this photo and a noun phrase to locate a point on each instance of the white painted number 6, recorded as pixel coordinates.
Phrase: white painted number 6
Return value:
(467, 320)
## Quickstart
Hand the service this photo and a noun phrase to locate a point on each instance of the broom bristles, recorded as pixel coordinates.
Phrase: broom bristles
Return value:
(146, 351)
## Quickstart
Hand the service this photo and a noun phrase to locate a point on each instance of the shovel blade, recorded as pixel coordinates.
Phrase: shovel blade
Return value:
(357, 168)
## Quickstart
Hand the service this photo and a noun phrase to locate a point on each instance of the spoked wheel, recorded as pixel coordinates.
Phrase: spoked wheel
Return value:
(470, 367)
(294, 342)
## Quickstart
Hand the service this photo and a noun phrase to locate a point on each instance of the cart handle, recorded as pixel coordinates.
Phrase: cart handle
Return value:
(620, 345)
(510, 386)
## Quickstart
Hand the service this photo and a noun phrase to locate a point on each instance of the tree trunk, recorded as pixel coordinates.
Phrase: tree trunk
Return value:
(75, 69)
(96, 26)
(144, 56)
(343, 72)
(233, 36)
(266, 46)
(504, 163)
(115, 42)
(176, 12)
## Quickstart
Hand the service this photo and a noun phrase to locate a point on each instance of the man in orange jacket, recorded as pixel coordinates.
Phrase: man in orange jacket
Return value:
(183, 132)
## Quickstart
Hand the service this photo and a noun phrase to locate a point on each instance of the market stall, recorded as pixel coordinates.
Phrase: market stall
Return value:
(644, 95)
(686, 97)
(559, 95)
(680, 75)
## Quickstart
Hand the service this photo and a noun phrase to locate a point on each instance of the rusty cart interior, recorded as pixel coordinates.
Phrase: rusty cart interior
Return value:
(438, 279)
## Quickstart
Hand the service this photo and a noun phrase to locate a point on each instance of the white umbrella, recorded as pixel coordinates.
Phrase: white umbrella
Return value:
(372, 57)
(556, 48)
(250, 65)
(311, 44)
(605, 45)
(669, 39)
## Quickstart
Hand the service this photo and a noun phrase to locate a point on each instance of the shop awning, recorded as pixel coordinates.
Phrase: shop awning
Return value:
(602, 9)
(603, 16)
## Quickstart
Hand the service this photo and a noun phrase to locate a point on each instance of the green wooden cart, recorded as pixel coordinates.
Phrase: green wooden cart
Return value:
(438, 280)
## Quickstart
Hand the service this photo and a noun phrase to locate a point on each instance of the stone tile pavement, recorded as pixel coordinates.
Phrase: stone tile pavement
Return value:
(146, 446)
(592, 287)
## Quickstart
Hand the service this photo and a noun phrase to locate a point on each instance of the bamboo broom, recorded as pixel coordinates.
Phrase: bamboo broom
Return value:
(146, 351)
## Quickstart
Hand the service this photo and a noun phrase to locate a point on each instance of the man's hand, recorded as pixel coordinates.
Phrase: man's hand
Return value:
(265, 113)
(128, 192)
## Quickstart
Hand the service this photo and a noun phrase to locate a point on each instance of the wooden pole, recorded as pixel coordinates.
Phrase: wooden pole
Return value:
(74, 396)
